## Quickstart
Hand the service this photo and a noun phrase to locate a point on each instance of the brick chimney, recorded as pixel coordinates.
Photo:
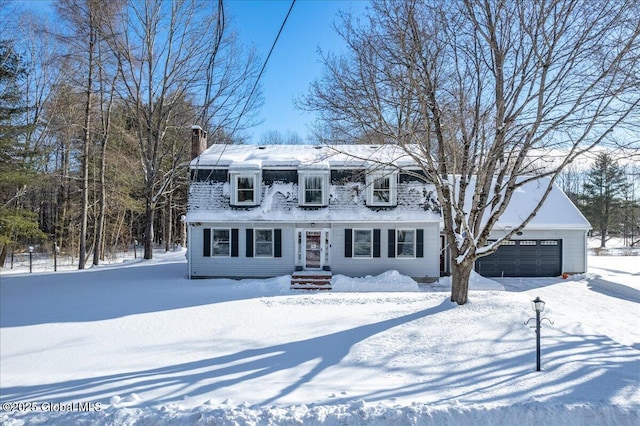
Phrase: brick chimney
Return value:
(198, 141)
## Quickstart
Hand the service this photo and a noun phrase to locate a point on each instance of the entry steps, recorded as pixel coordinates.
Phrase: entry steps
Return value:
(311, 280)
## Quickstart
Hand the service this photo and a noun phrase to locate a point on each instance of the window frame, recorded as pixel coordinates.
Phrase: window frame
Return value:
(235, 178)
(213, 240)
(414, 243)
(323, 178)
(255, 243)
(375, 177)
(353, 243)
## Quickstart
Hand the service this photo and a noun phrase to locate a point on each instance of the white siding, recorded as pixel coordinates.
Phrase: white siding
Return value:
(243, 267)
(419, 267)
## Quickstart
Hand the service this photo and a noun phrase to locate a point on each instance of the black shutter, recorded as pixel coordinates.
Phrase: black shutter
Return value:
(234, 242)
(277, 242)
(249, 252)
(206, 242)
(391, 243)
(376, 243)
(419, 242)
(348, 251)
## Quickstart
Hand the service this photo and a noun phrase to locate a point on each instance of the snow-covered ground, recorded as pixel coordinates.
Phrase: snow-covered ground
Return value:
(138, 343)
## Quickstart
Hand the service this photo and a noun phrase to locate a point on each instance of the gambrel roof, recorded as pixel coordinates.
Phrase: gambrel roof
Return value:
(417, 201)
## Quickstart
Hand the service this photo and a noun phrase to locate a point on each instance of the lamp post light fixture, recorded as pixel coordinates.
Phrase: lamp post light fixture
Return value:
(538, 307)
(30, 259)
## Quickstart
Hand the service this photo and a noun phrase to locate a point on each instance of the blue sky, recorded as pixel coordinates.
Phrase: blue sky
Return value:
(295, 61)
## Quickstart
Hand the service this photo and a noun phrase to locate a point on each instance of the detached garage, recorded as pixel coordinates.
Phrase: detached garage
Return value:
(553, 242)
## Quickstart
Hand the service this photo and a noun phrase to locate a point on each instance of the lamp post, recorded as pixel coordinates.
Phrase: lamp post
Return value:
(183, 235)
(30, 259)
(538, 307)
(56, 249)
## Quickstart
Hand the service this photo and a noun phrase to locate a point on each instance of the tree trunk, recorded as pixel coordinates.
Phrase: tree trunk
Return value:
(460, 273)
(85, 145)
(168, 220)
(102, 202)
(85, 190)
(603, 238)
(148, 230)
(3, 255)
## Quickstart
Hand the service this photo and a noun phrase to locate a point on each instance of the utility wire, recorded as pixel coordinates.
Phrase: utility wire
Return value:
(255, 85)
(264, 65)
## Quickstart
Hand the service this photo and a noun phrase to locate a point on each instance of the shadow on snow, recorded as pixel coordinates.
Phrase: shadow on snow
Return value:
(585, 369)
(201, 377)
(107, 293)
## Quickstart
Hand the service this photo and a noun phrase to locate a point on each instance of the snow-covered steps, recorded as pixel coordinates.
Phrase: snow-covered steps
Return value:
(311, 280)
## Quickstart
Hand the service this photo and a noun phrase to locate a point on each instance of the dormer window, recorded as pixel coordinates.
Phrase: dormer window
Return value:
(381, 189)
(245, 188)
(314, 188)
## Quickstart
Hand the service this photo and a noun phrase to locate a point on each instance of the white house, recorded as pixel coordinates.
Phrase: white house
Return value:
(310, 211)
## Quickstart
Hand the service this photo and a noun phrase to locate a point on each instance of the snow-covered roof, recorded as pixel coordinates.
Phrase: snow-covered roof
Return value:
(416, 201)
(279, 203)
(557, 212)
(294, 156)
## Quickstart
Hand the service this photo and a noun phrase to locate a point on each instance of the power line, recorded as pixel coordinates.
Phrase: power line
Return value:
(264, 65)
(255, 85)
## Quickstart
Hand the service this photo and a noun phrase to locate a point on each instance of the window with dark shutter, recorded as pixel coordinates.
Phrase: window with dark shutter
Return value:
(206, 240)
(363, 244)
(348, 252)
(420, 243)
(234, 242)
(376, 243)
(391, 243)
(249, 243)
(277, 243)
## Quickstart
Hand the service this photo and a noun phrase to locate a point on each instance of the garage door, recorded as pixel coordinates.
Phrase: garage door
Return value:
(523, 258)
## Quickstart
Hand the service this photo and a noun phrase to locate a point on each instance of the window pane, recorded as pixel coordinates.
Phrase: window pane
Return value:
(381, 183)
(245, 189)
(382, 190)
(405, 243)
(221, 244)
(313, 190)
(362, 243)
(263, 242)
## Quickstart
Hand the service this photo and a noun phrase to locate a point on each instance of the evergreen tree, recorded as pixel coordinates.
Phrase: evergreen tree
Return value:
(604, 185)
(16, 223)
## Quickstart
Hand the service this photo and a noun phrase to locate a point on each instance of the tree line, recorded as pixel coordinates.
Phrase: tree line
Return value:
(97, 100)
(608, 194)
(482, 94)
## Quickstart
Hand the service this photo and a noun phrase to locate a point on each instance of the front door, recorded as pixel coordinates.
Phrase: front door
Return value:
(313, 249)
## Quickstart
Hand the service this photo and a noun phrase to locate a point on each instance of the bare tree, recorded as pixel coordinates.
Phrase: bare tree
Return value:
(471, 89)
(275, 137)
(168, 52)
(83, 39)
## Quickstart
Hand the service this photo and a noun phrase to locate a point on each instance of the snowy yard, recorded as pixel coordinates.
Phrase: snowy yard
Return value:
(138, 343)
